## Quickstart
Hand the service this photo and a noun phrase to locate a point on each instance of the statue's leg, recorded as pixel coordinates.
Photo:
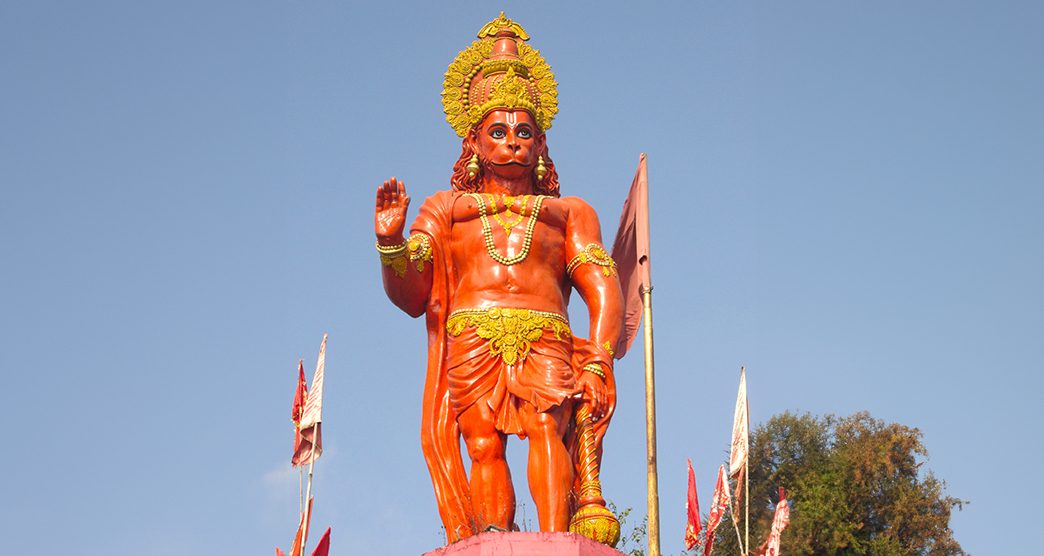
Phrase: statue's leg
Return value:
(492, 496)
(550, 468)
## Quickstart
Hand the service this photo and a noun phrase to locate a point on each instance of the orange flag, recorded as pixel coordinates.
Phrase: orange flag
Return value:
(311, 446)
(631, 253)
(692, 507)
(717, 511)
(302, 531)
(323, 548)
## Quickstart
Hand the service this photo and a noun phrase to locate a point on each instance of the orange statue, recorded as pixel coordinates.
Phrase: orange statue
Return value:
(491, 264)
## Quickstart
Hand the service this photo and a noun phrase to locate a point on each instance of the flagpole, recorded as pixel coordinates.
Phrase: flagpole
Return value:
(650, 427)
(308, 496)
(739, 538)
(746, 502)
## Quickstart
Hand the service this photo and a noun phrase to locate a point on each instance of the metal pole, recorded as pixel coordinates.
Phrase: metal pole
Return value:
(650, 428)
(308, 495)
(746, 501)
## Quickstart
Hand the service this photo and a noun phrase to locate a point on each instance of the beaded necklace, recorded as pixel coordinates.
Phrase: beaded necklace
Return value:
(487, 231)
(508, 203)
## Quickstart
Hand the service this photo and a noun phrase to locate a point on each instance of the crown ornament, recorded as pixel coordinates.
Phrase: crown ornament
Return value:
(497, 71)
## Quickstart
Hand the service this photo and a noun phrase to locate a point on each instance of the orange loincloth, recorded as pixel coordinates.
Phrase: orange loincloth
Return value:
(544, 376)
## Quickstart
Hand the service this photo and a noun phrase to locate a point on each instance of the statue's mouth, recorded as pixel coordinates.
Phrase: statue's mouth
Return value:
(512, 163)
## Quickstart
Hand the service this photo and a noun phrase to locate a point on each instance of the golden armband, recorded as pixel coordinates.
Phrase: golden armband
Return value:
(592, 253)
(419, 249)
(394, 256)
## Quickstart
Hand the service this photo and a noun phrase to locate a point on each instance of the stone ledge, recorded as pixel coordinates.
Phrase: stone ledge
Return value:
(525, 544)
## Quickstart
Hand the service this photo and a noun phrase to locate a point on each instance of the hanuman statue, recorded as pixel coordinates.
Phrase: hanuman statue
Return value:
(491, 264)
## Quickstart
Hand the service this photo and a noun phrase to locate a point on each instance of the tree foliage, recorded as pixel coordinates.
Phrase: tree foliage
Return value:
(855, 484)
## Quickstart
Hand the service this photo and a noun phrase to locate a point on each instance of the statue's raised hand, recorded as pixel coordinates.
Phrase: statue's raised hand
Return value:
(390, 216)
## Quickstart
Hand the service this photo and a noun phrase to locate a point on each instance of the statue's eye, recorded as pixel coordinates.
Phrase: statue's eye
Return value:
(525, 133)
(497, 133)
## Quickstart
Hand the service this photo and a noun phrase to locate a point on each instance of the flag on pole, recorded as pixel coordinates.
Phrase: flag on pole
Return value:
(717, 511)
(299, 401)
(740, 447)
(302, 533)
(692, 507)
(631, 253)
(779, 522)
(323, 548)
(311, 446)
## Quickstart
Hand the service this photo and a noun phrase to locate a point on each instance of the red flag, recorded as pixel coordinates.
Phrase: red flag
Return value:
(299, 401)
(299, 395)
(692, 507)
(631, 253)
(311, 446)
(779, 522)
(323, 548)
(740, 447)
(279, 552)
(717, 511)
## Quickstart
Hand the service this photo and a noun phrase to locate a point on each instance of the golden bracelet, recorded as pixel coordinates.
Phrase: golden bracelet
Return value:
(391, 250)
(394, 256)
(595, 368)
(592, 253)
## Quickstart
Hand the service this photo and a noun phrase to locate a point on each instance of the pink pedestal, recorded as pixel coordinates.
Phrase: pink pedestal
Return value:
(525, 544)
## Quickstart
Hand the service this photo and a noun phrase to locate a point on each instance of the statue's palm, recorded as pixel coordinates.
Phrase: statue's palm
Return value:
(390, 216)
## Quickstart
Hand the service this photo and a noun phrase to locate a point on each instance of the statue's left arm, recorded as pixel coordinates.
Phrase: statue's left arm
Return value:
(593, 273)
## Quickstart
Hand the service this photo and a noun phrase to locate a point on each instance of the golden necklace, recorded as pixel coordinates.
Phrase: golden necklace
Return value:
(487, 231)
(508, 203)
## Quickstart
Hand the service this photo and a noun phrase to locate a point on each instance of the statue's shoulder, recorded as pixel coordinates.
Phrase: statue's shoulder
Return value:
(436, 213)
(578, 207)
(442, 198)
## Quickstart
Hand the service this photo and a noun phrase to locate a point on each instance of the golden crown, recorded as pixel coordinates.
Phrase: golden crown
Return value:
(499, 70)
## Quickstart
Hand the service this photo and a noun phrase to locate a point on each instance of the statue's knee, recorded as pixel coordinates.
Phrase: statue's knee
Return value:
(485, 448)
(543, 425)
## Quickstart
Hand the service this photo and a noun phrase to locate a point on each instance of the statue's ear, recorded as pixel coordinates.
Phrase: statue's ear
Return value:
(472, 140)
(541, 142)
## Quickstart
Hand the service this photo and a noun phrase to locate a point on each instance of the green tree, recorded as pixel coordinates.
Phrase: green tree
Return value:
(855, 485)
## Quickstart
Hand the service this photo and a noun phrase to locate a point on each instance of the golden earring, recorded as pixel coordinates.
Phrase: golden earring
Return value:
(541, 170)
(473, 166)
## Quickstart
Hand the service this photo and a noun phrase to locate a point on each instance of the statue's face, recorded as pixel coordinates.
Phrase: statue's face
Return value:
(508, 142)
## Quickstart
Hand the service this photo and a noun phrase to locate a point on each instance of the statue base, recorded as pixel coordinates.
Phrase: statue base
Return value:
(525, 544)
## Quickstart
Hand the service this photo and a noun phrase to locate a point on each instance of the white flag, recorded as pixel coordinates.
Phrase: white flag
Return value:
(740, 429)
(313, 411)
(311, 446)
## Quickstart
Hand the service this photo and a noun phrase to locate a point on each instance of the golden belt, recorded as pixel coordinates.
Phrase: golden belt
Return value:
(510, 332)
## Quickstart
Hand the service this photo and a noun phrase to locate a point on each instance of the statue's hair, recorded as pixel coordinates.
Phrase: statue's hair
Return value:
(462, 182)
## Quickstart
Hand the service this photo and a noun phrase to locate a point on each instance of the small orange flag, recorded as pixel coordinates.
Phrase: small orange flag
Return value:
(302, 532)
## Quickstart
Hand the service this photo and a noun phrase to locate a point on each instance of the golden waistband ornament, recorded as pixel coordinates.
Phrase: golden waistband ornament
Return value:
(511, 332)
(499, 70)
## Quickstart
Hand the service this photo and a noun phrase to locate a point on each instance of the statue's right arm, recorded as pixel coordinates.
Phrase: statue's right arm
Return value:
(405, 265)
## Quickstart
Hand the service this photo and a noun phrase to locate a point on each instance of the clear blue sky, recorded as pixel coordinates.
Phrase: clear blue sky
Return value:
(846, 198)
